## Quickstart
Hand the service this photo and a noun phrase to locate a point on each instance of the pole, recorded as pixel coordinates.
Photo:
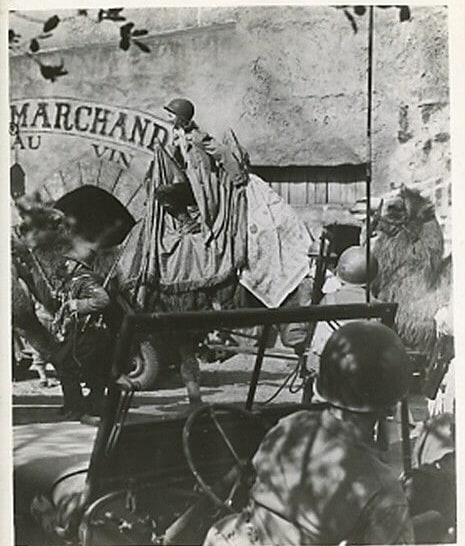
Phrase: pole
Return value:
(369, 145)
(405, 431)
(257, 367)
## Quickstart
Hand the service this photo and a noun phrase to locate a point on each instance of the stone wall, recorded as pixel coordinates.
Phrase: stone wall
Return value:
(411, 114)
(291, 81)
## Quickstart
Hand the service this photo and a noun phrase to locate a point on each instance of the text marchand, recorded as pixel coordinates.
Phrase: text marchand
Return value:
(121, 125)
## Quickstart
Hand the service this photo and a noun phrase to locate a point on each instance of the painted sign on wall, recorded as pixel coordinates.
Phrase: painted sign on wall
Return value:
(63, 143)
(86, 119)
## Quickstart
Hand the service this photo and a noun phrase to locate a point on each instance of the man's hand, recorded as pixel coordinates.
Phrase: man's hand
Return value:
(211, 146)
(179, 139)
(64, 316)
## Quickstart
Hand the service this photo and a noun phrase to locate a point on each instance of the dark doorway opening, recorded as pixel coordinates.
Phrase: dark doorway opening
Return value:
(99, 216)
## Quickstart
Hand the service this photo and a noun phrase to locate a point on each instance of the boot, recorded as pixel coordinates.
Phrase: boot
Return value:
(94, 401)
(73, 406)
(193, 393)
(94, 407)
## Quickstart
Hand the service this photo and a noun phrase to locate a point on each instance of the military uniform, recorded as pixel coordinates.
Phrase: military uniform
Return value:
(233, 163)
(346, 287)
(318, 476)
(84, 353)
(318, 482)
(342, 293)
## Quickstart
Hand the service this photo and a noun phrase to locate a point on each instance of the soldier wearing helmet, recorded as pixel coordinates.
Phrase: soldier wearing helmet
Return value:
(352, 266)
(83, 351)
(348, 286)
(182, 112)
(186, 133)
(319, 477)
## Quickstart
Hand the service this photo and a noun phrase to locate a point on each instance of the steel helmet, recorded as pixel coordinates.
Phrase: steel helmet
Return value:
(182, 108)
(352, 266)
(363, 368)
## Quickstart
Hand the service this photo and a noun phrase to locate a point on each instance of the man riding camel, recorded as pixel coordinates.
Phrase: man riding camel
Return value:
(194, 238)
(202, 247)
(209, 224)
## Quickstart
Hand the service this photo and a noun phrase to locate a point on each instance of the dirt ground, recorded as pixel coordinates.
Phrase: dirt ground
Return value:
(225, 382)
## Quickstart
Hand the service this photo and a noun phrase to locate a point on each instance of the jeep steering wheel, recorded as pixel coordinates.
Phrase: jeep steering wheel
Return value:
(241, 465)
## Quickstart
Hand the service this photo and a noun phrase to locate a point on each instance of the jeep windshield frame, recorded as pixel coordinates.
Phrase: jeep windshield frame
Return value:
(117, 400)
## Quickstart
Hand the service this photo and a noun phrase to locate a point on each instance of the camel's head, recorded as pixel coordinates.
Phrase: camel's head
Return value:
(410, 235)
(406, 211)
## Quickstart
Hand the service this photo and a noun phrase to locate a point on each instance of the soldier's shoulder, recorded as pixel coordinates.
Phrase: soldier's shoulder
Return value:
(303, 417)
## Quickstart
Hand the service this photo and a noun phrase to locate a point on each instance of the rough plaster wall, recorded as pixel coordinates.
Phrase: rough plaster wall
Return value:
(411, 114)
(270, 75)
(299, 113)
(291, 81)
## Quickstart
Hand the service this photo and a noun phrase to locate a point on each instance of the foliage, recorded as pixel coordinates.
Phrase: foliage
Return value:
(128, 35)
(52, 72)
(359, 11)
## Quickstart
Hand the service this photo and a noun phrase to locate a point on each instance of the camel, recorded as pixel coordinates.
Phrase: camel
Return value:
(30, 282)
(412, 269)
(215, 245)
(39, 244)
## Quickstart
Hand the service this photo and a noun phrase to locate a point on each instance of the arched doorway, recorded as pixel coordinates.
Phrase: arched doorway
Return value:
(104, 199)
(88, 171)
(99, 216)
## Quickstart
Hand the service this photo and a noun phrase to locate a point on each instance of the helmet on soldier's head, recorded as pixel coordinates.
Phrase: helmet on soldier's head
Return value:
(352, 266)
(363, 368)
(182, 108)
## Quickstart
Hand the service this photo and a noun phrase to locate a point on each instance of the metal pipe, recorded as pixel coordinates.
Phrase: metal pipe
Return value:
(98, 456)
(406, 448)
(369, 145)
(257, 368)
(201, 320)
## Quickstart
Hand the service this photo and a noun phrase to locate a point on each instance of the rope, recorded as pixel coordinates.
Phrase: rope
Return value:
(292, 376)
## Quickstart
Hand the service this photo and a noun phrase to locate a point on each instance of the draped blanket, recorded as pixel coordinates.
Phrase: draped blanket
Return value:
(277, 245)
(174, 261)
(247, 233)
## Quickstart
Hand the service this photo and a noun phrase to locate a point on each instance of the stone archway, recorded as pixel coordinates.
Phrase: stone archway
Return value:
(106, 175)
